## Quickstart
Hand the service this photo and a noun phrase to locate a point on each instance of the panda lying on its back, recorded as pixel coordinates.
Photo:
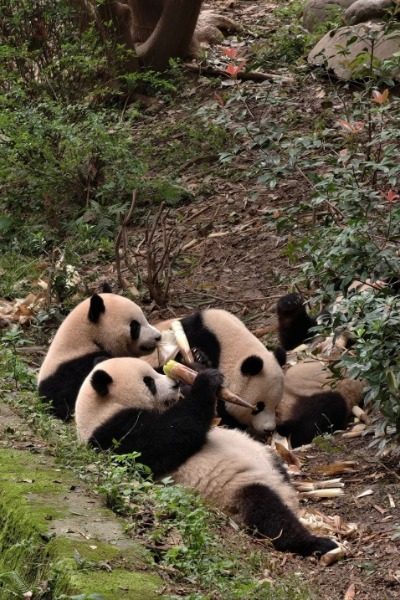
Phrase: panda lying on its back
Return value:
(309, 406)
(249, 369)
(102, 326)
(125, 400)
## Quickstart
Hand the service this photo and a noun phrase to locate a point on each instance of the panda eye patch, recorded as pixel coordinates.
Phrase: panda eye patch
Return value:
(151, 384)
(259, 408)
(135, 329)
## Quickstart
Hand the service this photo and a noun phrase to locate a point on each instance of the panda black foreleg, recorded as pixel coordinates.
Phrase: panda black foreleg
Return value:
(264, 513)
(166, 439)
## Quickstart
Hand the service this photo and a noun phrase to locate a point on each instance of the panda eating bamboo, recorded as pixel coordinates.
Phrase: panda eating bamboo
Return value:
(124, 405)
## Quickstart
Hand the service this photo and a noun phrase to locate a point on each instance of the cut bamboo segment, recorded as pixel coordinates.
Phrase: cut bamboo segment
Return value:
(360, 414)
(182, 341)
(323, 493)
(183, 373)
(357, 431)
(333, 555)
(308, 486)
(368, 492)
(391, 501)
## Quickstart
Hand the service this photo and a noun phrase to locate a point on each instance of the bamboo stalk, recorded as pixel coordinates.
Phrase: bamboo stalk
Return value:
(183, 373)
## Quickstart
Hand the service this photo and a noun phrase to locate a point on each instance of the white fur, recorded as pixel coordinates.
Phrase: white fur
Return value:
(230, 460)
(78, 336)
(238, 343)
(127, 390)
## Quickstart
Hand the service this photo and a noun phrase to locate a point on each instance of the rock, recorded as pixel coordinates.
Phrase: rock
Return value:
(316, 12)
(365, 10)
(339, 49)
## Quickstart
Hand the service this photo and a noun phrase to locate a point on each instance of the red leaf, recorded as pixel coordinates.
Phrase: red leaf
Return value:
(232, 70)
(230, 52)
(351, 127)
(380, 98)
(391, 196)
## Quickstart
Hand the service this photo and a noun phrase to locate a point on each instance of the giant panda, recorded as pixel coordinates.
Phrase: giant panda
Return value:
(249, 369)
(312, 403)
(125, 405)
(100, 327)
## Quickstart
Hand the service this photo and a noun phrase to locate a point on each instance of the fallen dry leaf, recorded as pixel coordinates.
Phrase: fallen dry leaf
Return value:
(350, 592)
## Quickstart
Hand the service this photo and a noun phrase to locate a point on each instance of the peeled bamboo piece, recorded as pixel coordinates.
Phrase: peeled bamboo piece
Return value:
(357, 431)
(323, 493)
(183, 373)
(308, 486)
(182, 341)
(360, 414)
(333, 555)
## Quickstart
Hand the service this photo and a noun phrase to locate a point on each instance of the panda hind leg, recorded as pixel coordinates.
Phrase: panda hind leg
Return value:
(263, 512)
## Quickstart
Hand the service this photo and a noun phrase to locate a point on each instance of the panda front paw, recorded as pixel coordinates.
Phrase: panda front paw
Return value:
(207, 383)
(321, 545)
(289, 305)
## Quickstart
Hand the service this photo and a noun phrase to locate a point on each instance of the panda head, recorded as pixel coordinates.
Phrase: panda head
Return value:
(119, 383)
(118, 326)
(258, 378)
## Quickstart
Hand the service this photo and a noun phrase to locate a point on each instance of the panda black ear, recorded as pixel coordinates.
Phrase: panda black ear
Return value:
(97, 307)
(252, 365)
(280, 355)
(100, 381)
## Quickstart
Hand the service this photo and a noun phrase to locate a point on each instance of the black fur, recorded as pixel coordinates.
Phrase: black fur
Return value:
(293, 321)
(202, 338)
(97, 307)
(278, 464)
(62, 387)
(280, 355)
(135, 329)
(165, 440)
(100, 381)
(313, 415)
(151, 384)
(106, 288)
(252, 365)
(263, 512)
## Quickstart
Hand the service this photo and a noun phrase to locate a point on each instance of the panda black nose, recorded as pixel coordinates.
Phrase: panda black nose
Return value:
(158, 337)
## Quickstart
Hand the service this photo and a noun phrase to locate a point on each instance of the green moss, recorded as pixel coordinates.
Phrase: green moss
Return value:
(33, 507)
(118, 584)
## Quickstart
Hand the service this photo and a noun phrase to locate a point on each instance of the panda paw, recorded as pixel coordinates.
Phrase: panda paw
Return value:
(289, 304)
(207, 383)
(322, 545)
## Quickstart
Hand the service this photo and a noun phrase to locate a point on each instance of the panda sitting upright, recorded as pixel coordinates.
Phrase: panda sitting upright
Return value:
(100, 327)
(309, 406)
(125, 405)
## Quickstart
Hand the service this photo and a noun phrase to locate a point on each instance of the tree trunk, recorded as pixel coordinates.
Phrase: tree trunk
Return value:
(153, 30)
(171, 34)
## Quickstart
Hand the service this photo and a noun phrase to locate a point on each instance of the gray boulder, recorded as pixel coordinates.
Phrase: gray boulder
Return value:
(366, 10)
(316, 12)
(339, 49)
